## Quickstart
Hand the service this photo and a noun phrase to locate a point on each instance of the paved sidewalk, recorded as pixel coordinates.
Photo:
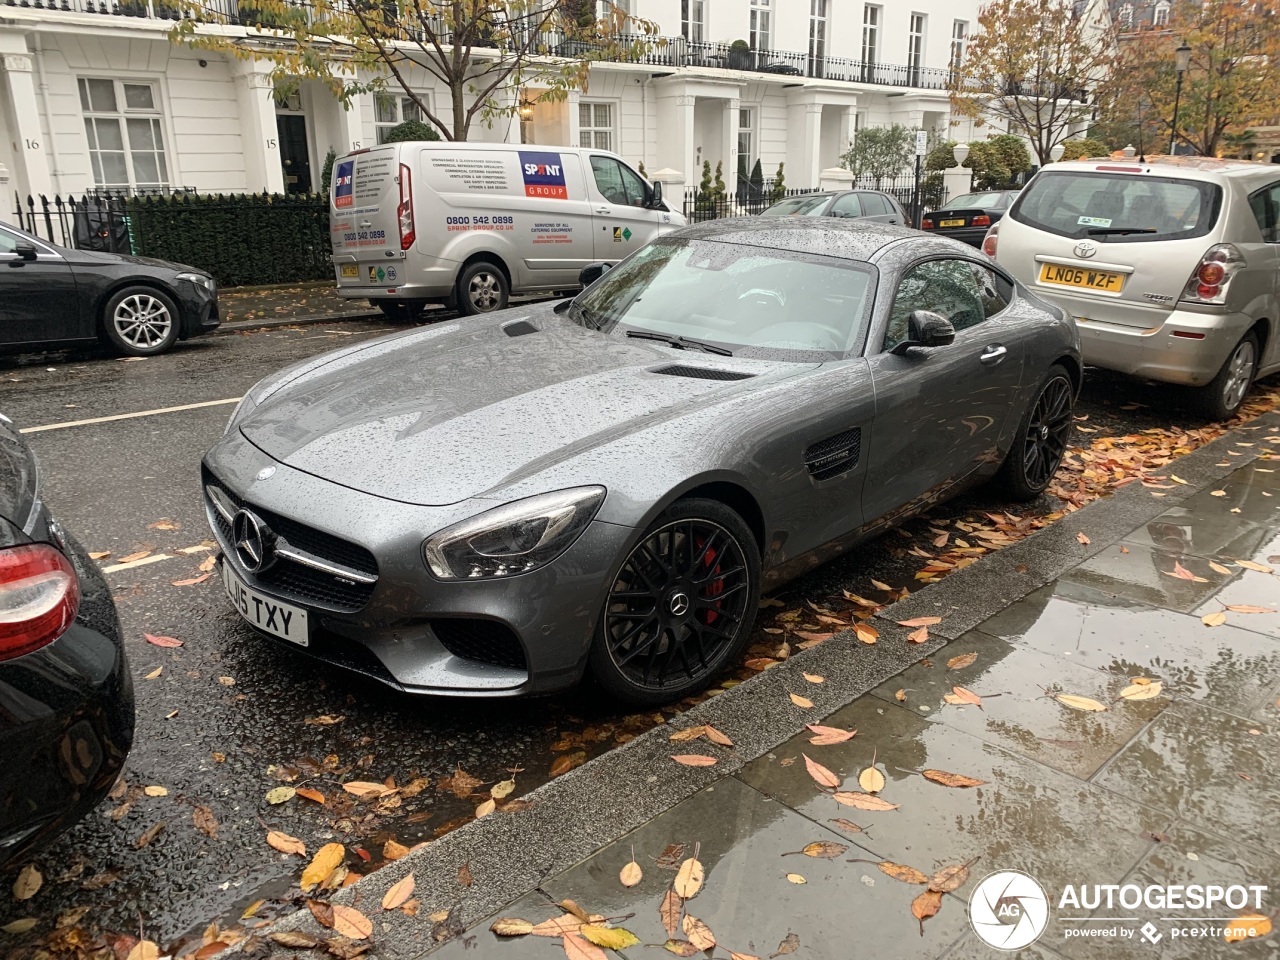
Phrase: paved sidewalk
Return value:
(1179, 787)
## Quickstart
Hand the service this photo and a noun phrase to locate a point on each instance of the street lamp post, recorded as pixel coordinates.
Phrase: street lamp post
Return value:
(1181, 60)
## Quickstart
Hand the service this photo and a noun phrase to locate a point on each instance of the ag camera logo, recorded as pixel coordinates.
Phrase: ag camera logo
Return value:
(1008, 910)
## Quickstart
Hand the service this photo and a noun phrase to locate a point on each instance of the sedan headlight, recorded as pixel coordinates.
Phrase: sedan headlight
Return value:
(514, 538)
(200, 280)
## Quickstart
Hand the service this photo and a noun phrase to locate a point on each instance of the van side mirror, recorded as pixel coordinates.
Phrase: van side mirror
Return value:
(592, 272)
(926, 329)
(655, 194)
(25, 249)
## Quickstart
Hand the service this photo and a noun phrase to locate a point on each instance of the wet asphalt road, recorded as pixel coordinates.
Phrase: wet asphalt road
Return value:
(227, 718)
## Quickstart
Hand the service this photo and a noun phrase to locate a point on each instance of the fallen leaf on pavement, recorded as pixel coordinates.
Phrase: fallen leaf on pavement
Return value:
(901, 696)
(327, 859)
(27, 883)
(192, 581)
(694, 760)
(925, 906)
(400, 891)
(1248, 608)
(920, 622)
(1246, 928)
(350, 922)
(393, 850)
(486, 808)
(820, 850)
(365, 790)
(1257, 567)
(863, 801)
(563, 764)
(631, 874)
(918, 636)
(295, 939)
(871, 780)
(789, 944)
(208, 563)
(464, 875)
(315, 796)
(1081, 538)
(800, 701)
(715, 736)
(20, 926)
(144, 950)
(669, 912)
(148, 835)
(952, 779)
(576, 948)
(154, 673)
(681, 948)
(900, 871)
(670, 856)
(1142, 691)
(161, 641)
(278, 795)
(960, 695)
(829, 735)
(1214, 619)
(796, 878)
(155, 791)
(951, 878)
(1177, 479)
(324, 720)
(227, 681)
(687, 734)
(699, 933)
(135, 556)
(100, 555)
(1217, 493)
(866, 633)
(557, 927)
(1182, 573)
(511, 927)
(821, 775)
(1080, 703)
(814, 678)
(1219, 568)
(205, 821)
(847, 825)
(285, 843)
(688, 879)
(962, 661)
(611, 938)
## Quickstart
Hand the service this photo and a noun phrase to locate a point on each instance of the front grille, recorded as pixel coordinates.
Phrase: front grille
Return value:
(291, 580)
(835, 455)
(485, 641)
(702, 373)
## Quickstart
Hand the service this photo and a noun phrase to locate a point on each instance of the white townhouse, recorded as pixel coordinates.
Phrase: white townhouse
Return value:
(95, 96)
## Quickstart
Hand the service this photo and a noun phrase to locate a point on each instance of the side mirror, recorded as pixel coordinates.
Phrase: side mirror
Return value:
(592, 272)
(926, 329)
(25, 249)
(655, 196)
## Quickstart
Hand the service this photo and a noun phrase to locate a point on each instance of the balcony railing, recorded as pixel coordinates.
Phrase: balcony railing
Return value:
(656, 51)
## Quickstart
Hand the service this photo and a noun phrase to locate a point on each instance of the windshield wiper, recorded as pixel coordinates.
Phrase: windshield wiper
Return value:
(680, 343)
(1118, 231)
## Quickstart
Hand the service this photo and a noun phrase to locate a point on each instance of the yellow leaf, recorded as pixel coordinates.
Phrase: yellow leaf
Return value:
(688, 879)
(823, 850)
(154, 673)
(866, 633)
(901, 696)
(144, 950)
(950, 878)
(155, 791)
(1249, 608)
(401, 891)
(800, 701)
(871, 780)
(900, 871)
(502, 789)
(285, 843)
(1080, 703)
(960, 695)
(863, 801)
(1142, 691)
(327, 859)
(511, 927)
(279, 795)
(962, 661)
(1246, 928)
(687, 734)
(1258, 567)
(1219, 568)
(391, 850)
(1214, 619)
(681, 948)
(20, 926)
(821, 775)
(557, 927)
(694, 760)
(27, 883)
(882, 586)
(699, 933)
(486, 808)
(796, 878)
(814, 678)
(1176, 479)
(925, 906)
(631, 874)
(350, 922)
(611, 938)
(951, 779)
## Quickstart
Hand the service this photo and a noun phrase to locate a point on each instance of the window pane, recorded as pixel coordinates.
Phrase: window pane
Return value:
(164, 168)
(584, 138)
(603, 140)
(141, 135)
(102, 95)
(89, 135)
(609, 179)
(109, 137)
(744, 119)
(84, 95)
(409, 110)
(114, 171)
(635, 188)
(384, 108)
(145, 169)
(138, 96)
(603, 115)
(846, 205)
(584, 117)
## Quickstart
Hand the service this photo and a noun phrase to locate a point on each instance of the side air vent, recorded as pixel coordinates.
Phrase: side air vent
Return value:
(835, 455)
(519, 328)
(702, 373)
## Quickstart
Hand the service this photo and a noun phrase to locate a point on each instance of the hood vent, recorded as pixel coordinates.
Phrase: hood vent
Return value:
(518, 328)
(835, 455)
(702, 373)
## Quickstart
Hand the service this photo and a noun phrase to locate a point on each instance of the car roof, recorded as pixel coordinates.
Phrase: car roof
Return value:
(851, 239)
(1192, 168)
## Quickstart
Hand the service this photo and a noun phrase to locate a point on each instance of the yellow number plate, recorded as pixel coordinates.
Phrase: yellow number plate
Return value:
(1064, 276)
(351, 270)
(951, 223)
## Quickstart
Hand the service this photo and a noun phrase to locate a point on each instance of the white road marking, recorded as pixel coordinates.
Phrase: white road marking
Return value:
(129, 416)
(136, 563)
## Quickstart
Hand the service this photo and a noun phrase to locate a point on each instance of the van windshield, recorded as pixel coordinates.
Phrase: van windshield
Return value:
(1080, 204)
(750, 301)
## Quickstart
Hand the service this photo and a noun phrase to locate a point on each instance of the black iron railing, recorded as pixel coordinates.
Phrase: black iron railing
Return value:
(92, 222)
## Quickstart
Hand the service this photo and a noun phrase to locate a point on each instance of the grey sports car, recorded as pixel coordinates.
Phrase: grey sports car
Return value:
(492, 507)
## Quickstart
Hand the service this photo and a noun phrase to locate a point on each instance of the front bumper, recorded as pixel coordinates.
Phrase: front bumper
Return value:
(1159, 353)
(199, 310)
(66, 721)
(497, 638)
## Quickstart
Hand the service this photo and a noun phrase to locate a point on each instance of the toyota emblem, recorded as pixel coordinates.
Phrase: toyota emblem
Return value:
(1086, 249)
(255, 543)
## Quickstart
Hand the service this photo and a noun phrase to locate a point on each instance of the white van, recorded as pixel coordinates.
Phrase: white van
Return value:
(471, 223)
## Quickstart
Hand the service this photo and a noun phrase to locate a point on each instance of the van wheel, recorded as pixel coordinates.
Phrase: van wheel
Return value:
(1224, 395)
(482, 288)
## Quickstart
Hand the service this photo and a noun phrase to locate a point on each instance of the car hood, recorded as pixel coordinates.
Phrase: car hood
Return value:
(101, 257)
(451, 413)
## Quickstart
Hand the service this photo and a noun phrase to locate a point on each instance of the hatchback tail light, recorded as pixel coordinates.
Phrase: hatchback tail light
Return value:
(926, 223)
(39, 597)
(981, 220)
(991, 240)
(1212, 276)
(404, 212)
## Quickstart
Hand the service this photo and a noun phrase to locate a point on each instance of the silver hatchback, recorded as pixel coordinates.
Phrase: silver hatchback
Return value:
(1169, 266)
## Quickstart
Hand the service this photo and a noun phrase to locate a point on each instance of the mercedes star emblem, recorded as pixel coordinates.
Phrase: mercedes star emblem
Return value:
(266, 473)
(1086, 249)
(255, 543)
(679, 604)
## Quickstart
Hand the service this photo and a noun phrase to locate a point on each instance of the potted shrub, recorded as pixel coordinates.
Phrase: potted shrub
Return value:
(740, 55)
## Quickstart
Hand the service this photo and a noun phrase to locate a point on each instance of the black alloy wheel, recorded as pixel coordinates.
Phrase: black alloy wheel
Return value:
(1042, 438)
(681, 605)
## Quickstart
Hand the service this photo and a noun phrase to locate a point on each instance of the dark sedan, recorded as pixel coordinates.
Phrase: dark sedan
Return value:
(861, 204)
(495, 506)
(968, 217)
(66, 697)
(51, 295)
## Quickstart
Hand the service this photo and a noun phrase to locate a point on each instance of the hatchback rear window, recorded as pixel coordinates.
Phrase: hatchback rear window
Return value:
(1117, 208)
(799, 207)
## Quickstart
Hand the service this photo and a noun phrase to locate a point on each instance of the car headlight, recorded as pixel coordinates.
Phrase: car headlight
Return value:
(514, 538)
(246, 404)
(200, 280)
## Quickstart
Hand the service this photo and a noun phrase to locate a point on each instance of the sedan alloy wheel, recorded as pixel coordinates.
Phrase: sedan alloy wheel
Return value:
(141, 321)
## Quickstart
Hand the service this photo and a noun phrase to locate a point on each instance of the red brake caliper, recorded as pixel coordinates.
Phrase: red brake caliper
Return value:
(715, 587)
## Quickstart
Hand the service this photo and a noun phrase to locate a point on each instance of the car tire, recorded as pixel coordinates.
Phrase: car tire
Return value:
(649, 651)
(1224, 395)
(482, 288)
(141, 321)
(1042, 438)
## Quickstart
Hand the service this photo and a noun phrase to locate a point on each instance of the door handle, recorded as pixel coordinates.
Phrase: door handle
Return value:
(604, 210)
(993, 354)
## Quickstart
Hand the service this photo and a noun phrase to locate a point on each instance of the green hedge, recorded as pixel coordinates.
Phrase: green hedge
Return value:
(242, 240)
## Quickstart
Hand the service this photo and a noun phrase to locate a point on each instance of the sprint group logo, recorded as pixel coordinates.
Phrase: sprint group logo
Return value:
(543, 175)
(342, 196)
(1008, 910)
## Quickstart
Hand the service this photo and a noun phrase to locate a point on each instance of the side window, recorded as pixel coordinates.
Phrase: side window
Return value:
(995, 290)
(948, 287)
(874, 205)
(8, 242)
(1265, 205)
(617, 183)
(846, 205)
(636, 192)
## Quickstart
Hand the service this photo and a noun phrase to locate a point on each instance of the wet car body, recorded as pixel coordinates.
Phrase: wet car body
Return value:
(66, 707)
(967, 218)
(355, 459)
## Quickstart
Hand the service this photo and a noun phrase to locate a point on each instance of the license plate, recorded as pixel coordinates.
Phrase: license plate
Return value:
(351, 269)
(1064, 276)
(951, 223)
(271, 616)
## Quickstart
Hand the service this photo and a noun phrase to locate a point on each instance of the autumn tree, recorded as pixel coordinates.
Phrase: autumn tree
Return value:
(1233, 79)
(1037, 67)
(486, 53)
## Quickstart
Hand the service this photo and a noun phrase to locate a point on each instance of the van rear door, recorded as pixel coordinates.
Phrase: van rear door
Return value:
(362, 221)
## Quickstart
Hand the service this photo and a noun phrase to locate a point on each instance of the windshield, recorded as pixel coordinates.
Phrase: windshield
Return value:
(986, 201)
(752, 301)
(1103, 205)
(798, 207)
